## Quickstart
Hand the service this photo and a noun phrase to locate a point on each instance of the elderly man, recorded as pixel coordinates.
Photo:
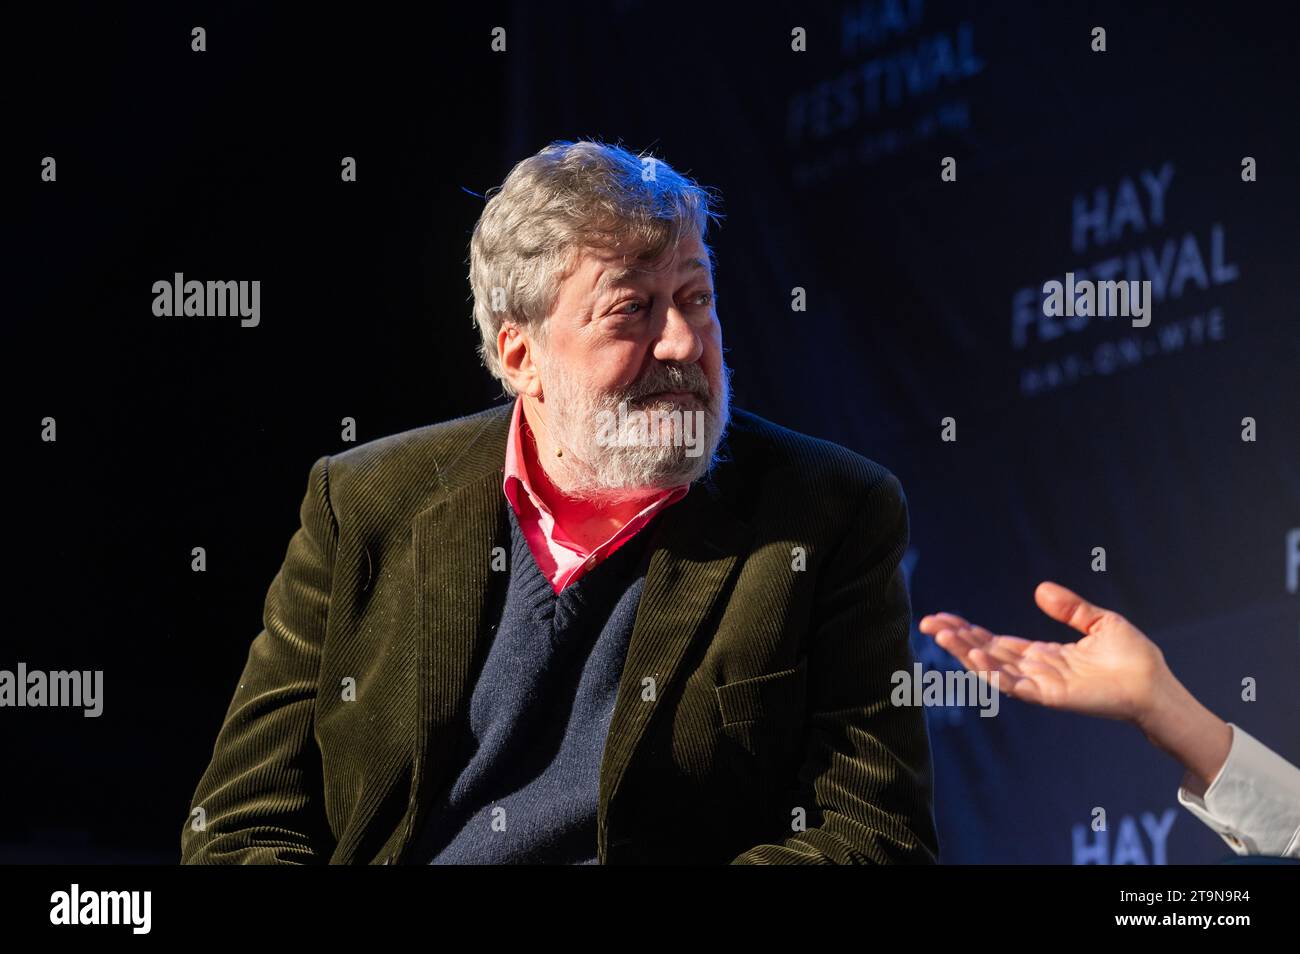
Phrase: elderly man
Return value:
(613, 621)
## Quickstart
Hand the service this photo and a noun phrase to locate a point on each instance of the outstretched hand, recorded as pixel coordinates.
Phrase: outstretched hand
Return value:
(1114, 671)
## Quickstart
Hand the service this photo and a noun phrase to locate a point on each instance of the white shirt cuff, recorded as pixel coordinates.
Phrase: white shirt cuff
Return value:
(1254, 801)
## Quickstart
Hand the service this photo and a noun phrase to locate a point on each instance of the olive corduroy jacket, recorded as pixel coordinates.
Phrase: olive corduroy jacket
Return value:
(753, 721)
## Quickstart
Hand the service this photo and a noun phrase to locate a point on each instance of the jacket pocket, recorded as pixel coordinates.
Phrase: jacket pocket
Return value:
(771, 701)
(762, 725)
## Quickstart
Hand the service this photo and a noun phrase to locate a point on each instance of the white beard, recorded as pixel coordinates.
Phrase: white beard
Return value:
(594, 469)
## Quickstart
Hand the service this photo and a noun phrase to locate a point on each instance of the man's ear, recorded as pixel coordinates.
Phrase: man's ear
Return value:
(515, 353)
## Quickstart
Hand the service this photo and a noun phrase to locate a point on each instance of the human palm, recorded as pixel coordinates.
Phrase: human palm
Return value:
(1110, 672)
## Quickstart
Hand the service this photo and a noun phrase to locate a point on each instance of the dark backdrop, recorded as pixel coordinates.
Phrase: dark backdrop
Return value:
(175, 433)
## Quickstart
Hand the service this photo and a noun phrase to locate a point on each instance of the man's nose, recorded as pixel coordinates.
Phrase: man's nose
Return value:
(679, 341)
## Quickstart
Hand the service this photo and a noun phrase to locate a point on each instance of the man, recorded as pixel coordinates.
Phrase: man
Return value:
(1243, 790)
(612, 622)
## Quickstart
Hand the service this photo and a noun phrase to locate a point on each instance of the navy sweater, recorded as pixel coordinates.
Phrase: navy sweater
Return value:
(539, 715)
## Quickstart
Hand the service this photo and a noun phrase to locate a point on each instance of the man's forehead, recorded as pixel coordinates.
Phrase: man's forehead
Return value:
(613, 270)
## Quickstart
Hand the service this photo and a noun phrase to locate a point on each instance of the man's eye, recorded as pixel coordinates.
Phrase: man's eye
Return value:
(703, 298)
(623, 308)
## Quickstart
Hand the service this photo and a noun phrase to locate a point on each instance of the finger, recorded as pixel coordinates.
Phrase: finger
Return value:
(954, 644)
(975, 635)
(1023, 688)
(1013, 643)
(1002, 648)
(1068, 607)
(1017, 687)
(959, 642)
(987, 663)
(936, 621)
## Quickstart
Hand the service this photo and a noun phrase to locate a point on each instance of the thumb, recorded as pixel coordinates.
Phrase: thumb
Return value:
(1066, 606)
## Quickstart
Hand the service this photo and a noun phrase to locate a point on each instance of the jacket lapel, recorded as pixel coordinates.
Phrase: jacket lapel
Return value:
(701, 544)
(452, 542)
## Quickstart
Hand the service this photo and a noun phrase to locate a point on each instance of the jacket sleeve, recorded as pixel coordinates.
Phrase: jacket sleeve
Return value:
(865, 782)
(262, 795)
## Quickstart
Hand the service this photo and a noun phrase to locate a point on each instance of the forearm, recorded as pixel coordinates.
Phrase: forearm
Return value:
(1177, 723)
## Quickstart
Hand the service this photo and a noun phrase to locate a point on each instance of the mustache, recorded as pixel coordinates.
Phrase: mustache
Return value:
(690, 378)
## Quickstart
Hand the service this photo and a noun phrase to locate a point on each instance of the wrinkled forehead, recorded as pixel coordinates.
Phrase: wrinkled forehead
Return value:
(617, 267)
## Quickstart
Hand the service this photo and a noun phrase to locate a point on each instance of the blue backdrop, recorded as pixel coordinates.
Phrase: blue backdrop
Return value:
(924, 303)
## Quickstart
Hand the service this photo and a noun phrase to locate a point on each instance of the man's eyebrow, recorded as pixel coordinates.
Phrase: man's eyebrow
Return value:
(695, 264)
(621, 276)
(611, 278)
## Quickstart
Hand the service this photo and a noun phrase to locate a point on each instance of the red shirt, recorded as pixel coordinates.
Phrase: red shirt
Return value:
(560, 558)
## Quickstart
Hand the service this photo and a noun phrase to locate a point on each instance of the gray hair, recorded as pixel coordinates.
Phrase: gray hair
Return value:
(570, 196)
